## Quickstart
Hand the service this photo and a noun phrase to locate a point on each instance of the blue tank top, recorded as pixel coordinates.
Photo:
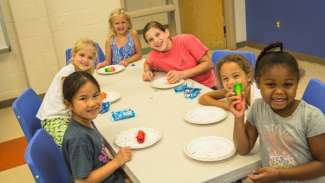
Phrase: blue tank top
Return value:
(124, 52)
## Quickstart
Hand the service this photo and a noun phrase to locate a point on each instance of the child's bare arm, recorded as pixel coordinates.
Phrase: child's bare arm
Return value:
(98, 175)
(148, 75)
(310, 170)
(214, 98)
(138, 50)
(108, 50)
(204, 65)
(244, 134)
(108, 54)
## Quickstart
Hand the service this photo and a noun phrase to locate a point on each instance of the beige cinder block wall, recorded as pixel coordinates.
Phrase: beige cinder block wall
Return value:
(36, 42)
(39, 32)
(12, 76)
(74, 19)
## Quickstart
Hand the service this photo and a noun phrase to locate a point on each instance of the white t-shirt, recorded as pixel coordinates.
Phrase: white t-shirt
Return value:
(52, 105)
(255, 92)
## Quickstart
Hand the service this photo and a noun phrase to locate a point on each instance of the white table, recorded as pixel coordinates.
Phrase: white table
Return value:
(163, 110)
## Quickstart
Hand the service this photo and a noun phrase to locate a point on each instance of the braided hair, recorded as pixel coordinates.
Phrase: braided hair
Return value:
(273, 54)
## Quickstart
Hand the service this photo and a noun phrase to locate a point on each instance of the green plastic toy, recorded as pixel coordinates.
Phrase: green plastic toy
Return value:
(238, 90)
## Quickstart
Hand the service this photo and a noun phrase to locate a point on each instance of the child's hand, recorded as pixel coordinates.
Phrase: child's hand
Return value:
(148, 75)
(124, 155)
(235, 101)
(266, 174)
(100, 65)
(124, 63)
(174, 76)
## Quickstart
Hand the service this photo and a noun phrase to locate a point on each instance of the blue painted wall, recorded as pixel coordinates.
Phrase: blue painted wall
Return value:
(302, 24)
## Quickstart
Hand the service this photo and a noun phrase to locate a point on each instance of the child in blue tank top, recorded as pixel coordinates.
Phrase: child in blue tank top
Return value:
(123, 45)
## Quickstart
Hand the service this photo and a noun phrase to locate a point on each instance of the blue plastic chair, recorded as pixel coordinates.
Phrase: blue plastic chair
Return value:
(25, 108)
(100, 55)
(315, 94)
(219, 54)
(45, 160)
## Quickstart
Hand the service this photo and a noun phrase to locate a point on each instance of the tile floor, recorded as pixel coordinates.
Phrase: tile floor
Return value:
(10, 129)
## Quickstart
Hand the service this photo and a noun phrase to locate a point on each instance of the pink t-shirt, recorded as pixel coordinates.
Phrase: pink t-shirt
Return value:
(185, 53)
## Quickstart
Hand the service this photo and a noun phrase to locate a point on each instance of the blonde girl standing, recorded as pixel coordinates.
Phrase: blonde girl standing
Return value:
(122, 45)
(53, 114)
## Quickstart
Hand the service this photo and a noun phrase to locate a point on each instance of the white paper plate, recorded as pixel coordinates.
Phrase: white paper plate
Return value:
(205, 115)
(112, 96)
(128, 138)
(210, 148)
(118, 68)
(162, 83)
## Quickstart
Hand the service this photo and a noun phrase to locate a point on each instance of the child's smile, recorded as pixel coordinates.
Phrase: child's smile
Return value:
(278, 86)
(158, 40)
(120, 25)
(86, 103)
(84, 59)
(279, 101)
(231, 73)
(93, 111)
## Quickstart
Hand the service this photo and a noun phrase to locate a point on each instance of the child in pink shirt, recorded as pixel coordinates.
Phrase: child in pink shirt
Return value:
(181, 57)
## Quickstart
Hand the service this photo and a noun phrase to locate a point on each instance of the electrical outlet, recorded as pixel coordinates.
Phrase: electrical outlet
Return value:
(278, 24)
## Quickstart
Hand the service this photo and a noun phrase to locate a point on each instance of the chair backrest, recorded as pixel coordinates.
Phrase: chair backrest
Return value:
(100, 55)
(45, 160)
(219, 54)
(315, 94)
(25, 108)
